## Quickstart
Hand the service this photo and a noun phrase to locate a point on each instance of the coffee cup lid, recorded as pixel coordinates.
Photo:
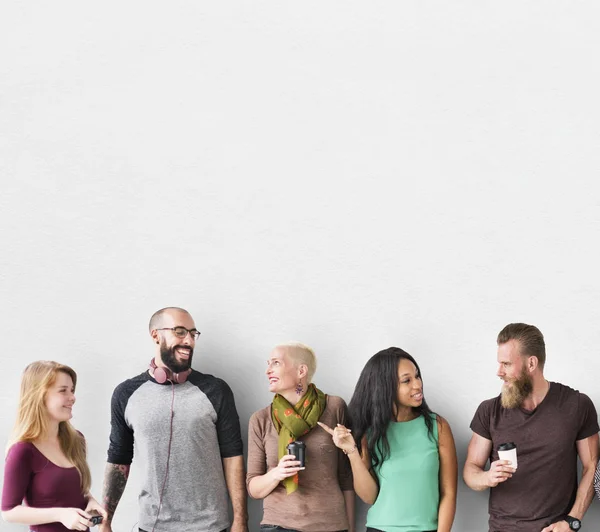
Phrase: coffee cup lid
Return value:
(507, 446)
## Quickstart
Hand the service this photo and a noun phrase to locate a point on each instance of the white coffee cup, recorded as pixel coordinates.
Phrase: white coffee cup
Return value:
(508, 451)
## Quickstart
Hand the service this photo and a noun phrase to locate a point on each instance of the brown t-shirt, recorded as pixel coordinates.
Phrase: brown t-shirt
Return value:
(543, 488)
(318, 503)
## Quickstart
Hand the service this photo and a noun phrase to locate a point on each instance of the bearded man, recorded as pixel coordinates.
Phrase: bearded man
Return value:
(551, 425)
(185, 430)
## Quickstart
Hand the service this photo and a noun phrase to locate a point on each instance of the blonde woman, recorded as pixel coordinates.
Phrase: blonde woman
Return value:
(45, 463)
(318, 497)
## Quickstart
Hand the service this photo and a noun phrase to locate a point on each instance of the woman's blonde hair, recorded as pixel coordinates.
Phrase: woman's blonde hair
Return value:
(300, 353)
(32, 416)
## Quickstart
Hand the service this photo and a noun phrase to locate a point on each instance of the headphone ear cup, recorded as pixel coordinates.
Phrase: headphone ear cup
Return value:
(164, 374)
(161, 375)
(180, 378)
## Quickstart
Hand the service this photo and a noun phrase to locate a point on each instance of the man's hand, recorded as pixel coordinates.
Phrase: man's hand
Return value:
(560, 526)
(499, 472)
(239, 526)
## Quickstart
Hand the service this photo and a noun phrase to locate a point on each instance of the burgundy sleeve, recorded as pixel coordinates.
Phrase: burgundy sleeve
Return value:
(481, 421)
(588, 419)
(17, 475)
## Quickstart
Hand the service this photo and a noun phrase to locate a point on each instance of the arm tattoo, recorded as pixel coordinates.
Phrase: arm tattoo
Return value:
(115, 479)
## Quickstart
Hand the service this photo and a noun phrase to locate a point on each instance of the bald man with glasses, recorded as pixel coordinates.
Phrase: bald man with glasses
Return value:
(185, 430)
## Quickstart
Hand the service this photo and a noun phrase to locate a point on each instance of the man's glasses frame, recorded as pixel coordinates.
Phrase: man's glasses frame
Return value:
(182, 332)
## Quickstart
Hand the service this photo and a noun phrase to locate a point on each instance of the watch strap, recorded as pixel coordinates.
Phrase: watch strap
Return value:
(574, 523)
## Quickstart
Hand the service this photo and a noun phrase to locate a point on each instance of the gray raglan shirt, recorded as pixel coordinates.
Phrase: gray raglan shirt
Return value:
(206, 429)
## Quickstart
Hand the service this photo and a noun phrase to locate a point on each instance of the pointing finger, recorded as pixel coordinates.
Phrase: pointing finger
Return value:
(325, 427)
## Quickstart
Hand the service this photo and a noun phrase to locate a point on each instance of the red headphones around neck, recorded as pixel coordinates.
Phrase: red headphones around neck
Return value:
(164, 374)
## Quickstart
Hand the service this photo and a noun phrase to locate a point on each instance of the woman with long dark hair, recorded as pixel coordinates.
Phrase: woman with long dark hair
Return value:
(402, 454)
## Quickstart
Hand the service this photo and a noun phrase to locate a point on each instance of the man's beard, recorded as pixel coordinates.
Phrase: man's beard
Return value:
(169, 358)
(514, 394)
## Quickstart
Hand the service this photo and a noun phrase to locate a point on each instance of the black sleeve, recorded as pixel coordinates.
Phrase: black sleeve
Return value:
(228, 423)
(120, 449)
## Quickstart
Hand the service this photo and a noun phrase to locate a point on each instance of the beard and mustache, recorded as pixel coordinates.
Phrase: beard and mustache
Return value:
(169, 358)
(517, 391)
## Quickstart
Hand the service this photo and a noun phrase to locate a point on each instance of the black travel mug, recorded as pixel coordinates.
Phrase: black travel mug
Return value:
(297, 448)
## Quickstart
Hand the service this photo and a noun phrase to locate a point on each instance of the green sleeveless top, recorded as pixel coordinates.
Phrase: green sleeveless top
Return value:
(409, 490)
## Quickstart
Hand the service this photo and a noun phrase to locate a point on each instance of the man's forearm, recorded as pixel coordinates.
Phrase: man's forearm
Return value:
(585, 493)
(475, 477)
(235, 478)
(115, 479)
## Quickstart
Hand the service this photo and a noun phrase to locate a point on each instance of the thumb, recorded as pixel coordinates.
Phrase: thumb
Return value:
(325, 427)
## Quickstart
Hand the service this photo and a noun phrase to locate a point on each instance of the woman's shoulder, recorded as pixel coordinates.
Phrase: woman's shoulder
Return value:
(334, 401)
(335, 411)
(20, 450)
(261, 416)
(441, 422)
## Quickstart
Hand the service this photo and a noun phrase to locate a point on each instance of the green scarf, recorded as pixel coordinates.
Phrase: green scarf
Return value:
(292, 422)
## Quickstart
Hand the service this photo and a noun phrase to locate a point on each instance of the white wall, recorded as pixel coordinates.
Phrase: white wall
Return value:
(350, 175)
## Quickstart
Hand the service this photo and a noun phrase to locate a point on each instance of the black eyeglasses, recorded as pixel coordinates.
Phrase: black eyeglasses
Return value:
(182, 332)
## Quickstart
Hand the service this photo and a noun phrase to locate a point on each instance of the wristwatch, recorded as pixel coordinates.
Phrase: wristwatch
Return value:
(574, 523)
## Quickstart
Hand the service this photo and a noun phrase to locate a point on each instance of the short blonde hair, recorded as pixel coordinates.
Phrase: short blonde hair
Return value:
(300, 353)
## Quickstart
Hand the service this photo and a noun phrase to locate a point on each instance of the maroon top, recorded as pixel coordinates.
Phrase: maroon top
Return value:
(31, 478)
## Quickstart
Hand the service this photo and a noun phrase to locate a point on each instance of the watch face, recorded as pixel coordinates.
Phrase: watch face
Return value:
(575, 524)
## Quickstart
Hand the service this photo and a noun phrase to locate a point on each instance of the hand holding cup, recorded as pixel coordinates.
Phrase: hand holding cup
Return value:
(288, 466)
(500, 471)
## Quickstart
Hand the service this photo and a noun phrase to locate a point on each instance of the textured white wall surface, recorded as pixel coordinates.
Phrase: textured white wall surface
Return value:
(350, 175)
